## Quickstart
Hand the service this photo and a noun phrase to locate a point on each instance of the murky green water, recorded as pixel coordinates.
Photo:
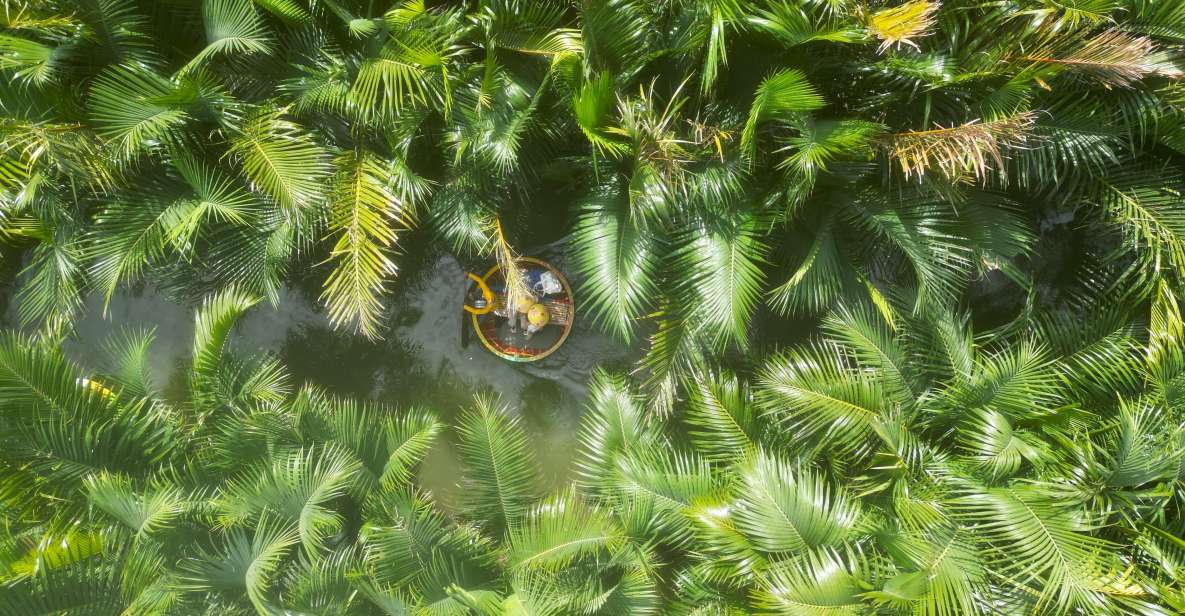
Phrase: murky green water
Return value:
(421, 361)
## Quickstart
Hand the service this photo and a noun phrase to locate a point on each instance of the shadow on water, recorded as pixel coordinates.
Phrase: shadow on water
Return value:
(420, 361)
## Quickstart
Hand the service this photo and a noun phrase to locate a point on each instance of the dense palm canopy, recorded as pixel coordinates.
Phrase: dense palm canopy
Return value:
(870, 169)
(903, 467)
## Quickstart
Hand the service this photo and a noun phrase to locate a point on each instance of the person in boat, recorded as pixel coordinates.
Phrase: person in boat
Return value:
(530, 314)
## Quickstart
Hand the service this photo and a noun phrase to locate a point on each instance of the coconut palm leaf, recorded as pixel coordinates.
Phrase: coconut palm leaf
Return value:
(615, 426)
(1143, 201)
(816, 283)
(1112, 57)
(282, 160)
(500, 474)
(795, 24)
(815, 395)
(30, 60)
(212, 325)
(290, 10)
(721, 270)
(245, 564)
(948, 577)
(900, 25)
(409, 544)
(997, 446)
(819, 143)
(871, 340)
(722, 418)
(395, 442)
(405, 73)
(141, 512)
(53, 285)
(217, 199)
(562, 531)
(137, 109)
(819, 584)
(367, 212)
(618, 261)
(593, 108)
(781, 508)
(296, 488)
(779, 96)
(1044, 547)
(653, 493)
(233, 28)
(972, 149)
(128, 353)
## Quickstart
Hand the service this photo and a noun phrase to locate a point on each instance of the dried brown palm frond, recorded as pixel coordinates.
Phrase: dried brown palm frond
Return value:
(901, 24)
(518, 293)
(1113, 57)
(959, 152)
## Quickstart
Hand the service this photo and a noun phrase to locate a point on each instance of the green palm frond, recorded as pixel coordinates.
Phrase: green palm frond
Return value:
(615, 425)
(410, 547)
(1144, 448)
(871, 339)
(391, 446)
(91, 589)
(233, 28)
(924, 230)
(997, 446)
(128, 354)
(781, 508)
(945, 576)
(289, 10)
(615, 35)
(212, 325)
(723, 421)
(367, 212)
(531, 27)
(30, 60)
(282, 160)
(779, 97)
(1044, 548)
(796, 24)
(654, 491)
(593, 107)
(245, 565)
(218, 199)
(53, 286)
(721, 268)
(1144, 201)
(141, 512)
(407, 72)
(137, 109)
(1021, 382)
(499, 470)
(819, 280)
(298, 488)
(60, 428)
(561, 531)
(618, 262)
(816, 584)
(815, 395)
(819, 143)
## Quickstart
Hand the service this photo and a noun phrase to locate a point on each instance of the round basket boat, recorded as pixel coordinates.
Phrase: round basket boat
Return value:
(486, 297)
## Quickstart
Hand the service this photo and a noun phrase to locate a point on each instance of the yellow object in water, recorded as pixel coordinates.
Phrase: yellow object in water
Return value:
(538, 316)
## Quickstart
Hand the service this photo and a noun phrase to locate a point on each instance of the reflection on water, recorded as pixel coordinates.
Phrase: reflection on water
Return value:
(421, 361)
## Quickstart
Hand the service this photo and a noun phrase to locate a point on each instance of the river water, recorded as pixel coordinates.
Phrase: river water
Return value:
(420, 362)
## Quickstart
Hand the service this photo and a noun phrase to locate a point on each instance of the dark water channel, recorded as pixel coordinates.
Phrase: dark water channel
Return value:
(420, 362)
